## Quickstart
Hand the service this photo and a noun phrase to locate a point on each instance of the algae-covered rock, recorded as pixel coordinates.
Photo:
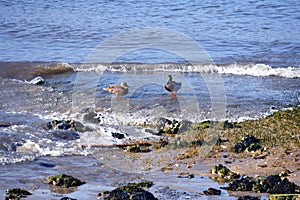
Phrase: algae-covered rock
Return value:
(284, 197)
(16, 193)
(67, 125)
(272, 184)
(143, 184)
(138, 148)
(249, 143)
(223, 172)
(131, 191)
(64, 180)
(212, 191)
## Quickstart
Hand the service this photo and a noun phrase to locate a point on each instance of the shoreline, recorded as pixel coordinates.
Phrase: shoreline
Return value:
(280, 152)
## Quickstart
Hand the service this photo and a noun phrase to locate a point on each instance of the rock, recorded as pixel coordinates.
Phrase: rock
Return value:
(186, 175)
(5, 124)
(118, 135)
(249, 143)
(284, 197)
(143, 184)
(248, 198)
(130, 192)
(168, 126)
(67, 125)
(65, 134)
(64, 180)
(272, 184)
(91, 117)
(137, 148)
(61, 124)
(212, 191)
(37, 80)
(16, 193)
(67, 198)
(223, 172)
(244, 184)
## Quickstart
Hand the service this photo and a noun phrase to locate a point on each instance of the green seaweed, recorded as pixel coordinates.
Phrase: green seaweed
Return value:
(64, 180)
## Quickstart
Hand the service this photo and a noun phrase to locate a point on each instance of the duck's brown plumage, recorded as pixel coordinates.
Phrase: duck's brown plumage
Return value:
(118, 90)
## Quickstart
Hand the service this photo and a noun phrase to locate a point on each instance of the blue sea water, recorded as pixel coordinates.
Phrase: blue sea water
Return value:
(244, 32)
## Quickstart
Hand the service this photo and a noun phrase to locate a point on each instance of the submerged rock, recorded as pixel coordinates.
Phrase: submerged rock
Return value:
(212, 191)
(67, 198)
(64, 180)
(65, 134)
(249, 143)
(16, 193)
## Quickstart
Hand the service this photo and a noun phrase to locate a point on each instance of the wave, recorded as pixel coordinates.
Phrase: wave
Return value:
(237, 69)
(28, 70)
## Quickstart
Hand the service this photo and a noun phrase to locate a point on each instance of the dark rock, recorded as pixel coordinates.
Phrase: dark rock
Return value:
(272, 184)
(64, 180)
(212, 191)
(275, 185)
(65, 134)
(5, 124)
(243, 184)
(67, 125)
(130, 192)
(61, 124)
(118, 135)
(230, 125)
(91, 117)
(67, 198)
(186, 175)
(249, 143)
(248, 198)
(45, 164)
(16, 193)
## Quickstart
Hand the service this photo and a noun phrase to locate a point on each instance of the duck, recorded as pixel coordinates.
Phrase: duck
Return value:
(172, 86)
(118, 90)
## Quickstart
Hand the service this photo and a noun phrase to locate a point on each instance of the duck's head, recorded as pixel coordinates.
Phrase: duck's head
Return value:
(169, 78)
(124, 84)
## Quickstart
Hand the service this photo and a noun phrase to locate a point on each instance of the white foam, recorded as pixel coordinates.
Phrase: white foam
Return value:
(237, 69)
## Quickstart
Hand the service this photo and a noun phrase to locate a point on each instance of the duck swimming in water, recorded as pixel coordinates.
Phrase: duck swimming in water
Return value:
(172, 86)
(118, 90)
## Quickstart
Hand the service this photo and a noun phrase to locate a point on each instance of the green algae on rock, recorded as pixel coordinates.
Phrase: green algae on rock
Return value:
(16, 193)
(130, 191)
(272, 184)
(224, 173)
(249, 143)
(284, 197)
(212, 191)
(64, 180)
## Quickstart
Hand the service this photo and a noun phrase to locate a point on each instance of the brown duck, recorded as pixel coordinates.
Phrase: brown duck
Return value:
(118, 90)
